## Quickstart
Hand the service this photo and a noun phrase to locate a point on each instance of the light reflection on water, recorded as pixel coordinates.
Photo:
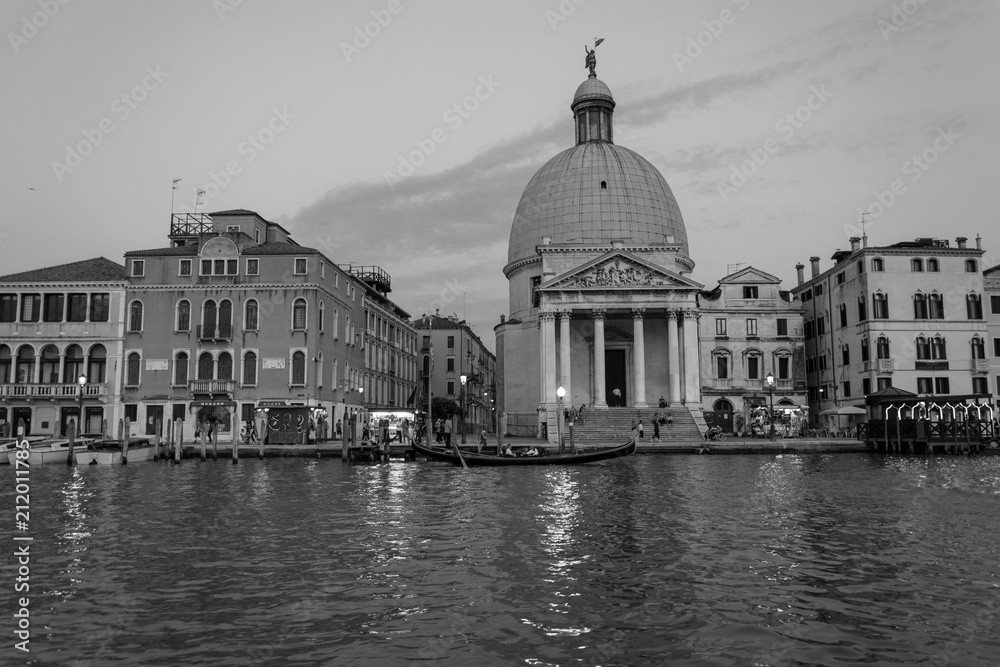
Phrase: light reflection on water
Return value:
(752, 560)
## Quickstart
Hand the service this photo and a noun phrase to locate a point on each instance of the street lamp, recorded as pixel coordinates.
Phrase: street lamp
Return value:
(464, 378)
(82, 381)
(560, 393)
(770, 415)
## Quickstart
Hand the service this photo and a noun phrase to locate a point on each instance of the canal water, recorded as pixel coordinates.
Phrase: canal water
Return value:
(653, 560)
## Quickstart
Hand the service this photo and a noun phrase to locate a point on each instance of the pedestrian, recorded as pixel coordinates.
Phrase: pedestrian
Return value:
(656, 427)
(583, 406)
(447, 433)
(438, 430)
(339, 431)
(663, 402)
(482, 440)
(639, 427)
(617, 393)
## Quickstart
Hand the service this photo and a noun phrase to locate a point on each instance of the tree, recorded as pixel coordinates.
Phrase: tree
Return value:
(444, 408)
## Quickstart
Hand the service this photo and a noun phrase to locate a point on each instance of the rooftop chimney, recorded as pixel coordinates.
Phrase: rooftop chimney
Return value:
(799, 269)
(960, 242)
(979, 242)
(855, 243)
(814, 262)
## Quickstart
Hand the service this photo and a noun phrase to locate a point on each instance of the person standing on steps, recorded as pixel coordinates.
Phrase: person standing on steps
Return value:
(617, 393)
(656, 427)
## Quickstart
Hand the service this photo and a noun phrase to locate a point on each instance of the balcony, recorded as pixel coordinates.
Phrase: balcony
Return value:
(52, 391)
(980, 365)
(932, 365)
(212, 386)
(879, 365)
(221, 333)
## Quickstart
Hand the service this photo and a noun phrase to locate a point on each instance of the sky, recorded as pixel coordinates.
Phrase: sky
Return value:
(401, 133)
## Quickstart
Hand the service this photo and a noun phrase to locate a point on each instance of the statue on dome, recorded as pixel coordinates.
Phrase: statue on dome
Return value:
(591, 61)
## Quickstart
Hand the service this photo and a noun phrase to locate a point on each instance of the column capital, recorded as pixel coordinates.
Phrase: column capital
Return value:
(672, 314)
(638, 313)
(565, 315)
(599, 313)
(546, 316)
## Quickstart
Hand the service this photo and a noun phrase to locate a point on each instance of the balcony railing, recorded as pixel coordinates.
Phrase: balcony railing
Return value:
(53, 391)
(980, 365)
(221, 332)
(212, 386)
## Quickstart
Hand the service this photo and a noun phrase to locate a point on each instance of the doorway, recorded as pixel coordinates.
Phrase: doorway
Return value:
(154, 413)
(615, 378)
(17, 414)
(69, 415)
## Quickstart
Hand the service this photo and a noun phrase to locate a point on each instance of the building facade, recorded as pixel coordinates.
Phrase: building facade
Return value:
(908, 315)
(991, 286)
(234, 318)
(458, 351)
(60, 325)
(750, 328)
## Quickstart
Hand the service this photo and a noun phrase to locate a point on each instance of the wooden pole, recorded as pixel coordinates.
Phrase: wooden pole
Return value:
(72, 441)
(125, 450)
(204, 437)
(236, 439)
(215, 440)
(261, 432)
(156, 438)
(343, 437)
(178, 437)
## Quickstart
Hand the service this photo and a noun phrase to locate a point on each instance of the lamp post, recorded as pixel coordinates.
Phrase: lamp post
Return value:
(770, 414)
(464, 378)
(572, 417)
(560, 393)
(82, 381)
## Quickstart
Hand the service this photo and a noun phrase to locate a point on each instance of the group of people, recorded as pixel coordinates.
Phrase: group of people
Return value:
(442, 431)
(530, 451)
(638, 429)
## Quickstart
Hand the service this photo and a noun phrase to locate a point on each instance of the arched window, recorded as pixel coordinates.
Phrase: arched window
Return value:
(939, 349)
(916, 265)
(225, 367)
(226, 320)
(974, 307)
(184, 315)
(299, 315)
(250, 315)
(181, 369)
(50, 365)
(722, 366)
(919, 307)
(97, 365)
(923, 348)
(932, 265)
(877, 264)
(882, 348)
(722, 405)
(205, 366)
(250, 368)
(862, 310)
(209, 320)
(5, 361)
(978, 348)
(322, 309)
(971, 266)
(865, 355)
(880, 306)
(336, 322)
(299, 368)
(334, 379)
(25, 371)
(135, 316)
(132, 370)
(935, 307)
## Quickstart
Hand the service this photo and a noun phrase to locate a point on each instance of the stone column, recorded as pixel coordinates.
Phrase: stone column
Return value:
(639, 356)
(541, 361)
(692, 367)
(599, 400)
(564, 358)
(549, 341)
(673, 359)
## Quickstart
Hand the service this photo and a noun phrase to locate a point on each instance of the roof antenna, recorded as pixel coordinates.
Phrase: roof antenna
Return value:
(173, 189)
(731, 268)
(864, 234)
(197, 202)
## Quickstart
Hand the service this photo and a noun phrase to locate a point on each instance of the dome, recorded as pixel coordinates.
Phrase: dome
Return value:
(592, 88)
(593, 193)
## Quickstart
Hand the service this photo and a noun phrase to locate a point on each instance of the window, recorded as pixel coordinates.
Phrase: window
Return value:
(232, 228)
(219, 267)
(50, 365)
(181, 369)
(253, 267)
(810, 329)
(720, 326)
(300, 265)
(923, 348)
(256, 236)
(225, 367)
(138, 267)
(183, 321)
(322, 310)
(932, 266)
(880, 306)
(8, 307)
(996, 348)
(299, 315)
(250, 315)
(843, 314)
(53, 308)
(978, 348)
(861, 266)
(25, 370)
(97, 365)
(807, 296)
(751, 326)
(206, 366)
(994, 306)
(942, 386)
(450, 390)
(722, 367)
(980, 386)
(322, 269)
(73, 364)
(206, 267)
(782, 326)
(451, 342)
(783, 363)
(753, 368)
(100, 307)
(882, 348)
(226, 320)
(847, 388)
(935, 307)
(971, 266)
(132, 412)
(30, 304)
(209, 319)
(939, 349)
(184, 267)
(820, 326)
(840, 278)
(864, 350)
(846, 355)
(919, 307)
(862, 311)
(866, 386)
(450, 364)
(925, 385)
(877, 264)
(135, 316)
(749, 291)
(974, 307)
(250, 368)
(76, 308)
(232, 267)
(916, 265)
(882, 383)
(822, 361)
(299, 368)
(132, 370)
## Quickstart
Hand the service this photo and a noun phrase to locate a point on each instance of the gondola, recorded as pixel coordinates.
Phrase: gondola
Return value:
(474, 459)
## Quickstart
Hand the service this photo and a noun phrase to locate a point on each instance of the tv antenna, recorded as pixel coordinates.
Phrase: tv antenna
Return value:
(732, 268)
(173, 190)
(864, 234)
(197, 201)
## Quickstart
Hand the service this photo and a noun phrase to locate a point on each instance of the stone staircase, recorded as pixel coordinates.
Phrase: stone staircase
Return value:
(608, 426)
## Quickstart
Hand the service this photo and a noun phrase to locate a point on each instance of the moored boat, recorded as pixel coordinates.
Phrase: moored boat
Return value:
(50, 451)
(109, 452)
(475, 459)
(10, 444)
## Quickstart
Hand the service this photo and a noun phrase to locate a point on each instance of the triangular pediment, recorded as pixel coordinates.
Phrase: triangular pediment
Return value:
(749, 275)
(618, 269)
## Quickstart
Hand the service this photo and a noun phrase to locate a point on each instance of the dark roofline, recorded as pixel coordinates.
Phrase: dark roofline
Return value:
(96, 270)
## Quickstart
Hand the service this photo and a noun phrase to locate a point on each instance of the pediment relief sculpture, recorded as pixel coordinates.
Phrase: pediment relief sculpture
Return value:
(617, 273)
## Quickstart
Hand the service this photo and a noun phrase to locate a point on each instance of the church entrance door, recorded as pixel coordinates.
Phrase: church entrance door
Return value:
(615, 378)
